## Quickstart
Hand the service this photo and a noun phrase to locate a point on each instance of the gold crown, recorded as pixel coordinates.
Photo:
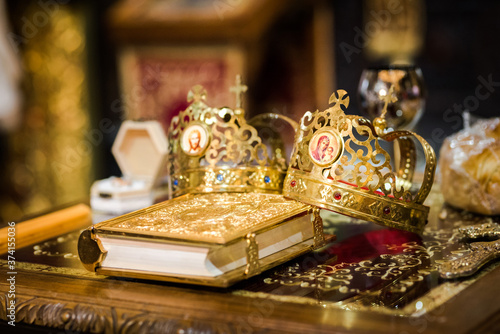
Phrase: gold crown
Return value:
(338, 164)
(217, 150)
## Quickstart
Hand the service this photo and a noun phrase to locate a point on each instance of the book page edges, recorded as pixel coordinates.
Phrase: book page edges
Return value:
(222, 281)
(143, 255)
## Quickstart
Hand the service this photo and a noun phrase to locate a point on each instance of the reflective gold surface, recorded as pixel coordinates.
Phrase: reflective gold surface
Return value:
(377, 269)
(481, 252)
(252, 251)
(236, 159)
(363, 183)
(372, 277)
(214, 217)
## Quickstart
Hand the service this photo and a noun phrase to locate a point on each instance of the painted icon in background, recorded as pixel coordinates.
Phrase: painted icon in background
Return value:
(325, 147)
(195, 140)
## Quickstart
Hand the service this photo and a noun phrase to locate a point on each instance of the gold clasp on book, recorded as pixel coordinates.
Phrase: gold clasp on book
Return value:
(252, 250)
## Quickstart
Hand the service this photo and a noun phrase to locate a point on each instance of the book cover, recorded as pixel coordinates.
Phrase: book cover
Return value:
(210, 239)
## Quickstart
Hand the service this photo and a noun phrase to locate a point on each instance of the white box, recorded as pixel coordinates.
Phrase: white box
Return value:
(140, 149)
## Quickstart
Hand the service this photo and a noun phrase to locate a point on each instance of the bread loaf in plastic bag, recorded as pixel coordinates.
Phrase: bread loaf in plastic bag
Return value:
(469, 164)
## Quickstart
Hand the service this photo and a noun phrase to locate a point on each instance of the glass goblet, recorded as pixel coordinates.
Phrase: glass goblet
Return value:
(405, 83)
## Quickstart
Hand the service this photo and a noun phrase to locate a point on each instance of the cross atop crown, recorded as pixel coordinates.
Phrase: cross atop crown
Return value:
(216, 150)
(238, 89)
(197, 94)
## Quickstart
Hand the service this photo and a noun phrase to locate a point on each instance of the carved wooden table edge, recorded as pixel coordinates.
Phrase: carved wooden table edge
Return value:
(79, 301)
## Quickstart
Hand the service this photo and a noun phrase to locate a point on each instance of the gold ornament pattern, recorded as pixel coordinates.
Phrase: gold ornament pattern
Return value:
(486, 230)
(481, 252)
(391, 279)
(403, 273)
(252, 250)
(319, 235)
(362, 182)
(213, 217)
(341, 277)
(236, 158)
(72, 317)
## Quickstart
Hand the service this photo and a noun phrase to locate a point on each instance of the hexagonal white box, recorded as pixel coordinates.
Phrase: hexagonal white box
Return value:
(140, 149)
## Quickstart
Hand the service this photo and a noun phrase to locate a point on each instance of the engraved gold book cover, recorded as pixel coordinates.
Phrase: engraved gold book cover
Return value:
(210, 239)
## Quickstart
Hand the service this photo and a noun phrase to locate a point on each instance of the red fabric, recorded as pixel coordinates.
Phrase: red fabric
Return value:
(371, 244)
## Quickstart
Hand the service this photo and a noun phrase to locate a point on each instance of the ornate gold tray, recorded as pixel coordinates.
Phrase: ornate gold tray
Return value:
(372, 279)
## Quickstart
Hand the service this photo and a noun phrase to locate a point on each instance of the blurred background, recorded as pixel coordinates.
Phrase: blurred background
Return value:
(71, 71)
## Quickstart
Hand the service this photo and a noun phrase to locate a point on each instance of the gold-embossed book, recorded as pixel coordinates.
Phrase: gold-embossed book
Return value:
(212, 239)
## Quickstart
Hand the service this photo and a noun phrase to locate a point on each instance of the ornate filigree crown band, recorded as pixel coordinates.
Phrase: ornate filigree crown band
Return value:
(338, 164)
(217, 150)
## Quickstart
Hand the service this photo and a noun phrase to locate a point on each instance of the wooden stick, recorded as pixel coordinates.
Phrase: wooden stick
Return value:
(45, 227)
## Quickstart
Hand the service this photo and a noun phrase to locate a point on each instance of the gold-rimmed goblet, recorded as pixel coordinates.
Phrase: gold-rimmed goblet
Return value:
(405, 85)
